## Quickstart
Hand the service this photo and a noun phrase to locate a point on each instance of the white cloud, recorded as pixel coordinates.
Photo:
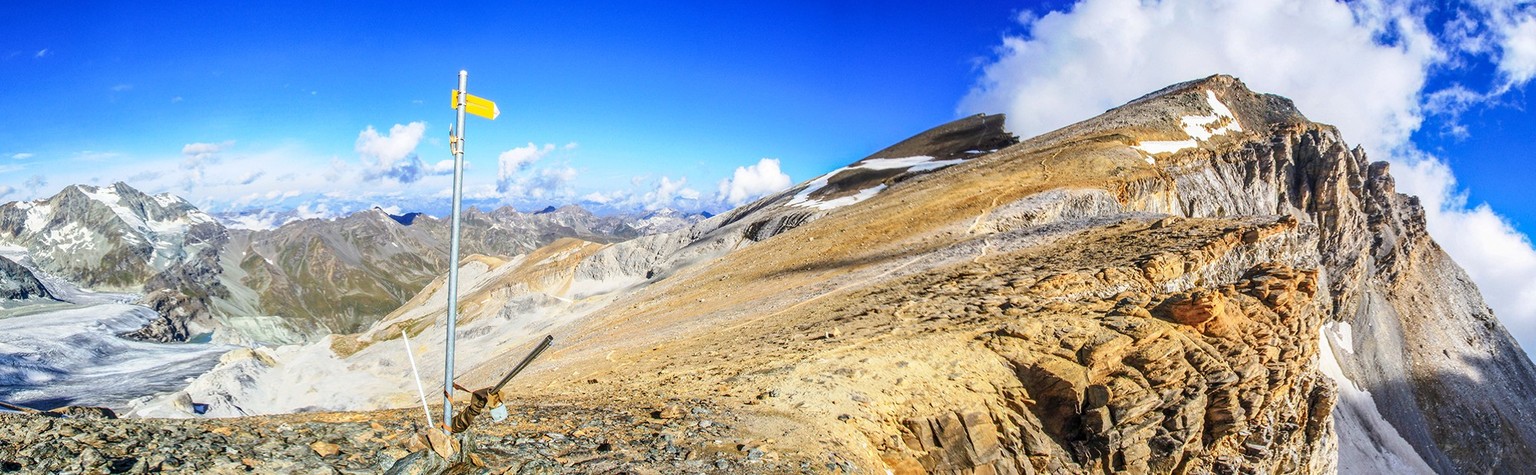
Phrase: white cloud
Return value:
(601, 198)
(510, 162)
(197, 157)
(1104, 53)
(21, 156)
(553, 182)
(1449, 103)
(205, 150)
(393, 155)
(122, 88)
(548, 183)
(1326, 56)
(670, 194)
(752, 182)
(1502, 31)
(42, 53)
(443, 167)
(1519, 45)
(6, 191)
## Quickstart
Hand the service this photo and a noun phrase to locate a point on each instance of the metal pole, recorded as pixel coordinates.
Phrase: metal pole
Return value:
(453, 264)
(417, 374)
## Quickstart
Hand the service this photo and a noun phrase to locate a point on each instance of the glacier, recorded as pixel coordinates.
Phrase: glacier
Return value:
(57, 353)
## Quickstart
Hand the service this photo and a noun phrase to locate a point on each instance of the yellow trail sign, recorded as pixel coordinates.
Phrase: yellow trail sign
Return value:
(476, 105)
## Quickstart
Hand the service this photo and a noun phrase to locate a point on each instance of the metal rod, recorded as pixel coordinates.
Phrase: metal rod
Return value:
(419, 390)
(14, 407)
(526, 360)
(453, 255)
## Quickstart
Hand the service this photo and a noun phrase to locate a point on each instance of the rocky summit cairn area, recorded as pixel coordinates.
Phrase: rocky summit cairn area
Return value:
(1199, 281)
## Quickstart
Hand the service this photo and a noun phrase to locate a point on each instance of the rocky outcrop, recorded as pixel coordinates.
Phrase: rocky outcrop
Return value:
(1215, 377)
(1427, 333)
(18, 283)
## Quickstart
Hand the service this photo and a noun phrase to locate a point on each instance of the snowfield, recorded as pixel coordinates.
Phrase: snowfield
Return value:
(1367, 442)
(66, 354)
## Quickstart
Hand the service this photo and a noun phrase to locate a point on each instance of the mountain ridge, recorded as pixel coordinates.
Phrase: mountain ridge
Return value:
(1200, 280)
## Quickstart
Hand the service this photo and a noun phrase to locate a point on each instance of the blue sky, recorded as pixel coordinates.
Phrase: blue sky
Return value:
(328, 107)
(644, 90)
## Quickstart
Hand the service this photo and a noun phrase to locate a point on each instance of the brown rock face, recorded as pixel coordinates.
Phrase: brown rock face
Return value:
(1198, 307)
(1222, 386)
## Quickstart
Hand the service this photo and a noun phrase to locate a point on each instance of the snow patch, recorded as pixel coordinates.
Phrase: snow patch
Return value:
(37, 215)
(920, 163)
(167, 236)
(1367, 442)
(1198, 127)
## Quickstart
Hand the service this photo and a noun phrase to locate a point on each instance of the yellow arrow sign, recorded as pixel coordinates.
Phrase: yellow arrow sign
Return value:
(476, 105)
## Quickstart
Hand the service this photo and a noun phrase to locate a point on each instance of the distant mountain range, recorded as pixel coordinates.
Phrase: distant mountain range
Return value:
(301, 280)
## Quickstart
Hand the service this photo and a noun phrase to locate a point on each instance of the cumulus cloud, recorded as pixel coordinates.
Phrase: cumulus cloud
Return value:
(1102, 53)
(1519, 44)
(443, 167)
(1360, 66)
(6, 190)
(752, 182)
(519, 159)
(195, 160)
(670, 194)
(392, 155)
(601, 198)
(544, 183)
(552, 182)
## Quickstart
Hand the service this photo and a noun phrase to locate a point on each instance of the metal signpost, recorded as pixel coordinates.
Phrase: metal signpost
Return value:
(462, 102)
